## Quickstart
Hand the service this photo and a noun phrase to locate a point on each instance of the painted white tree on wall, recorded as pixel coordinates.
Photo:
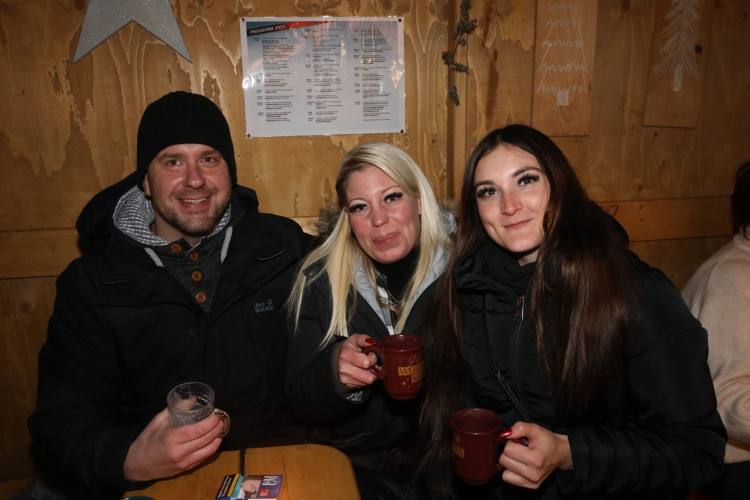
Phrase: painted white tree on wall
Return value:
(563, 36)
(678, 52)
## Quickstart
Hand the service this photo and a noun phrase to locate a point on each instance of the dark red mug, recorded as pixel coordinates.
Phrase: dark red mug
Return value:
(400, 364)
(476, 444)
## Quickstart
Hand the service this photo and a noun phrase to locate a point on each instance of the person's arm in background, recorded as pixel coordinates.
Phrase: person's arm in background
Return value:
(720, 298)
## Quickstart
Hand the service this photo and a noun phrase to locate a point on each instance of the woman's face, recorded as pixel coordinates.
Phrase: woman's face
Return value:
(512, 195)
(384, 218)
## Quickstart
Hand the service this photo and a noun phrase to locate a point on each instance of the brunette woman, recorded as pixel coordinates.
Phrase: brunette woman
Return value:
(589, 355)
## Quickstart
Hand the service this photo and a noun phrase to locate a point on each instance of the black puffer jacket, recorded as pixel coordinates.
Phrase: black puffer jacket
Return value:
(369, 420)
(670, 441)
(361, 422)
(124, 332)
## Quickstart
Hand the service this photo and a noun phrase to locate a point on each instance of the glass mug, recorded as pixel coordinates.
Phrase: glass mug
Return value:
(191, 402)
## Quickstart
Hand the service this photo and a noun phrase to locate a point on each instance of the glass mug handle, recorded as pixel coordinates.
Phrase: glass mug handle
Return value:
(225, 420)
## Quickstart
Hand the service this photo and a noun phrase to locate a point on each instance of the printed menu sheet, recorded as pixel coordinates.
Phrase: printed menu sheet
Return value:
(323, 76)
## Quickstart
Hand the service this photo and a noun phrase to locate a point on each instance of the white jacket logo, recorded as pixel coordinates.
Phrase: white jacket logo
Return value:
(264, 306)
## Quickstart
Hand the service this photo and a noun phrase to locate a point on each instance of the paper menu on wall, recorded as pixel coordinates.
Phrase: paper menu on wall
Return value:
(323, 76)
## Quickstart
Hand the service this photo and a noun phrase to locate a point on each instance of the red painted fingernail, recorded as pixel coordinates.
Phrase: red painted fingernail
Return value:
(506, 433)
(370, 341)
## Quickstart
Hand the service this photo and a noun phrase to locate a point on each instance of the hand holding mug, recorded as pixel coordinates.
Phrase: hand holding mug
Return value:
(529, 466)
(352, 365)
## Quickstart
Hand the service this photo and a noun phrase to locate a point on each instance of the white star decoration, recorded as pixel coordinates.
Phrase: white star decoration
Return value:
(106, 17)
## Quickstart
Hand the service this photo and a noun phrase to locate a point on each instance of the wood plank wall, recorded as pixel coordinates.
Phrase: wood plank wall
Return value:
(668, 186)
(68, 129)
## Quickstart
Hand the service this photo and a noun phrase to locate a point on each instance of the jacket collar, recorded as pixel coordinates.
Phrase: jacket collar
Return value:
(366, 291)
(487, 266)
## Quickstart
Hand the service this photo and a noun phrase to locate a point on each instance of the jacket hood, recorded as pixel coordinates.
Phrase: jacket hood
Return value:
(96, 227)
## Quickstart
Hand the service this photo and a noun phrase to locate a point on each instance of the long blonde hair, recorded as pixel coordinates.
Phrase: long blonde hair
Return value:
(337, 257)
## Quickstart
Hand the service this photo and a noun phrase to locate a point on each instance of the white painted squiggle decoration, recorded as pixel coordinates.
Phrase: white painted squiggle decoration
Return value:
(678, 51)
(559, 32)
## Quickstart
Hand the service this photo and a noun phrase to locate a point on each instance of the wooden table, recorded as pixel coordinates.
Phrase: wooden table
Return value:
(311, 472)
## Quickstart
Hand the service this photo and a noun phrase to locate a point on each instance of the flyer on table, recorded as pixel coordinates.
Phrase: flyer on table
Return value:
(241, 487)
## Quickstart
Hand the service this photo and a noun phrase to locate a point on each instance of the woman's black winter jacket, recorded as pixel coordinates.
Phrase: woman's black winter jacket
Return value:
(356, 422)
(670, 439)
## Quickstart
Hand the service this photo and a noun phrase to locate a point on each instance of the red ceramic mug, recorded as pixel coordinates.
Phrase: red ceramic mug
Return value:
(400, 364)
(476, 444)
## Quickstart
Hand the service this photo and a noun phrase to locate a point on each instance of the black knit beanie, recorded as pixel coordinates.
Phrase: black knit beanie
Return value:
(183, 118)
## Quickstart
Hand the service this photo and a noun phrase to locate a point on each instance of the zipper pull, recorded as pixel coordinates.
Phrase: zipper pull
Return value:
(519, 308)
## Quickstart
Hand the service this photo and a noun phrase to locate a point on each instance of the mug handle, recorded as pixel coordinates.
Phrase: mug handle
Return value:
(376, 370)
(224, 416)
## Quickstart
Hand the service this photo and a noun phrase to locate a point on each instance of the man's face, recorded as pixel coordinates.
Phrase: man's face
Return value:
(190, 188)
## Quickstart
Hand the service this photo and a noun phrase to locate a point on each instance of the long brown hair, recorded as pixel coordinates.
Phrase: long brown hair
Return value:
(581, 263)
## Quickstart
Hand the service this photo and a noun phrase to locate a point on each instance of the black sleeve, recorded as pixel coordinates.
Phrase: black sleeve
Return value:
(74, 428)
(312, 385)
(675, 440)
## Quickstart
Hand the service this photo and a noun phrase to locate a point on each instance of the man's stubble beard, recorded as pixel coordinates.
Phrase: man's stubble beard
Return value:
(195, 227)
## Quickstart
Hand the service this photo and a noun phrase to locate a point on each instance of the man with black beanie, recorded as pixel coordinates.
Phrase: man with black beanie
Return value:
(182, 279)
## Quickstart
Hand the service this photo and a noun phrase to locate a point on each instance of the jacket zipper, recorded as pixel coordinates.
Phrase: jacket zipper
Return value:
(520, 301)
(504, 384)
(519, 317)
(519, 308)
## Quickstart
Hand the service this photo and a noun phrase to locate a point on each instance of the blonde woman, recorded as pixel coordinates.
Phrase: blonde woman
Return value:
(370, 278)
